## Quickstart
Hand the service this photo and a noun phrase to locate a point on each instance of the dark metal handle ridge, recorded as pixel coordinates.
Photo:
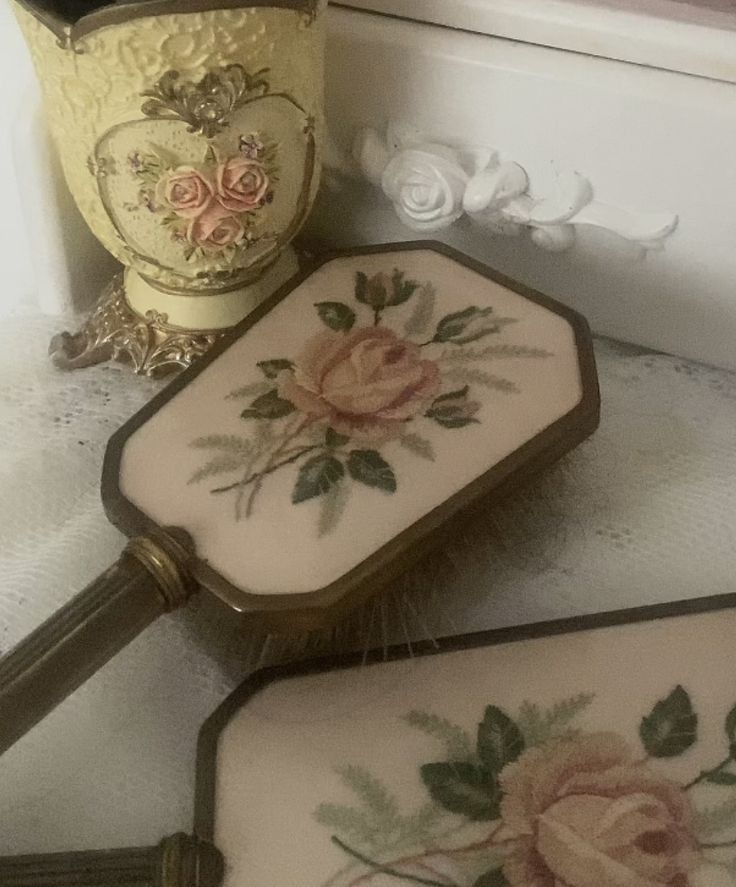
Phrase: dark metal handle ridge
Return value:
(151, 578)
(178, 861)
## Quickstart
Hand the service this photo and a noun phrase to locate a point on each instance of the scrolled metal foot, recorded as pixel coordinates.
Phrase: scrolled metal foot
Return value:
(113, 331)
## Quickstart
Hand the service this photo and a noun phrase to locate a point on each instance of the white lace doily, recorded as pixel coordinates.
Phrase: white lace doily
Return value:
(641, 513)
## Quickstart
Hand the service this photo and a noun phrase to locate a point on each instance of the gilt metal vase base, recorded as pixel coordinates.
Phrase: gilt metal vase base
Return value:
(148, 344)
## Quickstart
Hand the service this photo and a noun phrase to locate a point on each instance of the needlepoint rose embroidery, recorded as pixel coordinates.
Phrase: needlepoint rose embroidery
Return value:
(532, 800)
(382, 373)
(367, 384)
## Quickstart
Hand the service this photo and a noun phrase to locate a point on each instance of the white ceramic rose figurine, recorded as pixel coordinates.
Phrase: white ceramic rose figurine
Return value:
(427, 185)
(433, 185)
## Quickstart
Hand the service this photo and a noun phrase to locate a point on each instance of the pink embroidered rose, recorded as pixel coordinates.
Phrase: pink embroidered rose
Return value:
(187, 191)
(366, 383)
(583, 813)
(242, 183)
(215, 229)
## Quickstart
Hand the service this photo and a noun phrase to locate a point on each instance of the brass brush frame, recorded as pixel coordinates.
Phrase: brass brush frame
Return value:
(159, 570)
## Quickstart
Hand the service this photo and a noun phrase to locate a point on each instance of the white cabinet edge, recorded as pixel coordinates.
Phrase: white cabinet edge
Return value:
(675, 36)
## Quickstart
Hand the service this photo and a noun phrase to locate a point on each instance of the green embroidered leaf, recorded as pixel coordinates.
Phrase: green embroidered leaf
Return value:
(731, 729)
(272, 368)
(316, 477)
(269, 406)
(420, 446)
(334, 440)
(462, 787)
(494, 878)
(369, 468)
(332, 508)
(671, 727)
(720, 777)
(467, 326)
(716, 819)
(401, 290)
(458, 744)
(500, 741)
(336, 315)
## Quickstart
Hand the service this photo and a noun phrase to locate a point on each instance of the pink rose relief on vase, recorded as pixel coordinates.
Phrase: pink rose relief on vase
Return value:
(215, 229)
(532, 800)
(186, 191)
(356, 388)
(210, 208)
(242, 184)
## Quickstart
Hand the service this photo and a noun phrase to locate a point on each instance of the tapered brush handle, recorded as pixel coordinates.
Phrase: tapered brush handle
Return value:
(178, 861)
(150, 579)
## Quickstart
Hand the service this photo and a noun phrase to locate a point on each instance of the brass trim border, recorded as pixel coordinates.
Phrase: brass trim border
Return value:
(166, 555)
(68, 33)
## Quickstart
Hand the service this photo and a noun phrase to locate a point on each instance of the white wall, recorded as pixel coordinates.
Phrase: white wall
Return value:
(17, 97)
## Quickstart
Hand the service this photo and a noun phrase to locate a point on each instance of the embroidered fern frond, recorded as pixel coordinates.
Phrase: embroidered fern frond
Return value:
(220, 465)
(473, 376)
(347, 822)
(539, 726)
(372, 792)
(490, 352)
(457, 742)
(230, 443)
(421, 317)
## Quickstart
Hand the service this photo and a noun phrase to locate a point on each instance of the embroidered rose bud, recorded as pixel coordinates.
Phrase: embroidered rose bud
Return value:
(466, 326)
(215, 230)
(384, 290)
(242, 184)
(374, 290)
(186, 190)
(454, 410)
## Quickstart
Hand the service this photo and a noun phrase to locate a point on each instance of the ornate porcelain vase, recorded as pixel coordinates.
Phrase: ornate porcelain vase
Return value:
(189, 133)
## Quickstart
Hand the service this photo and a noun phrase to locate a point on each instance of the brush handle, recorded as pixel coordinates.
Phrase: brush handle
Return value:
(178, 861)
(150, 579)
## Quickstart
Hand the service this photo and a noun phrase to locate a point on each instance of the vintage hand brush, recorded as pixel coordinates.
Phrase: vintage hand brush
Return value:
(319, 452)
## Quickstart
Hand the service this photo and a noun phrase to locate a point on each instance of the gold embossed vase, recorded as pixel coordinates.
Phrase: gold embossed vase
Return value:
(189, 133)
